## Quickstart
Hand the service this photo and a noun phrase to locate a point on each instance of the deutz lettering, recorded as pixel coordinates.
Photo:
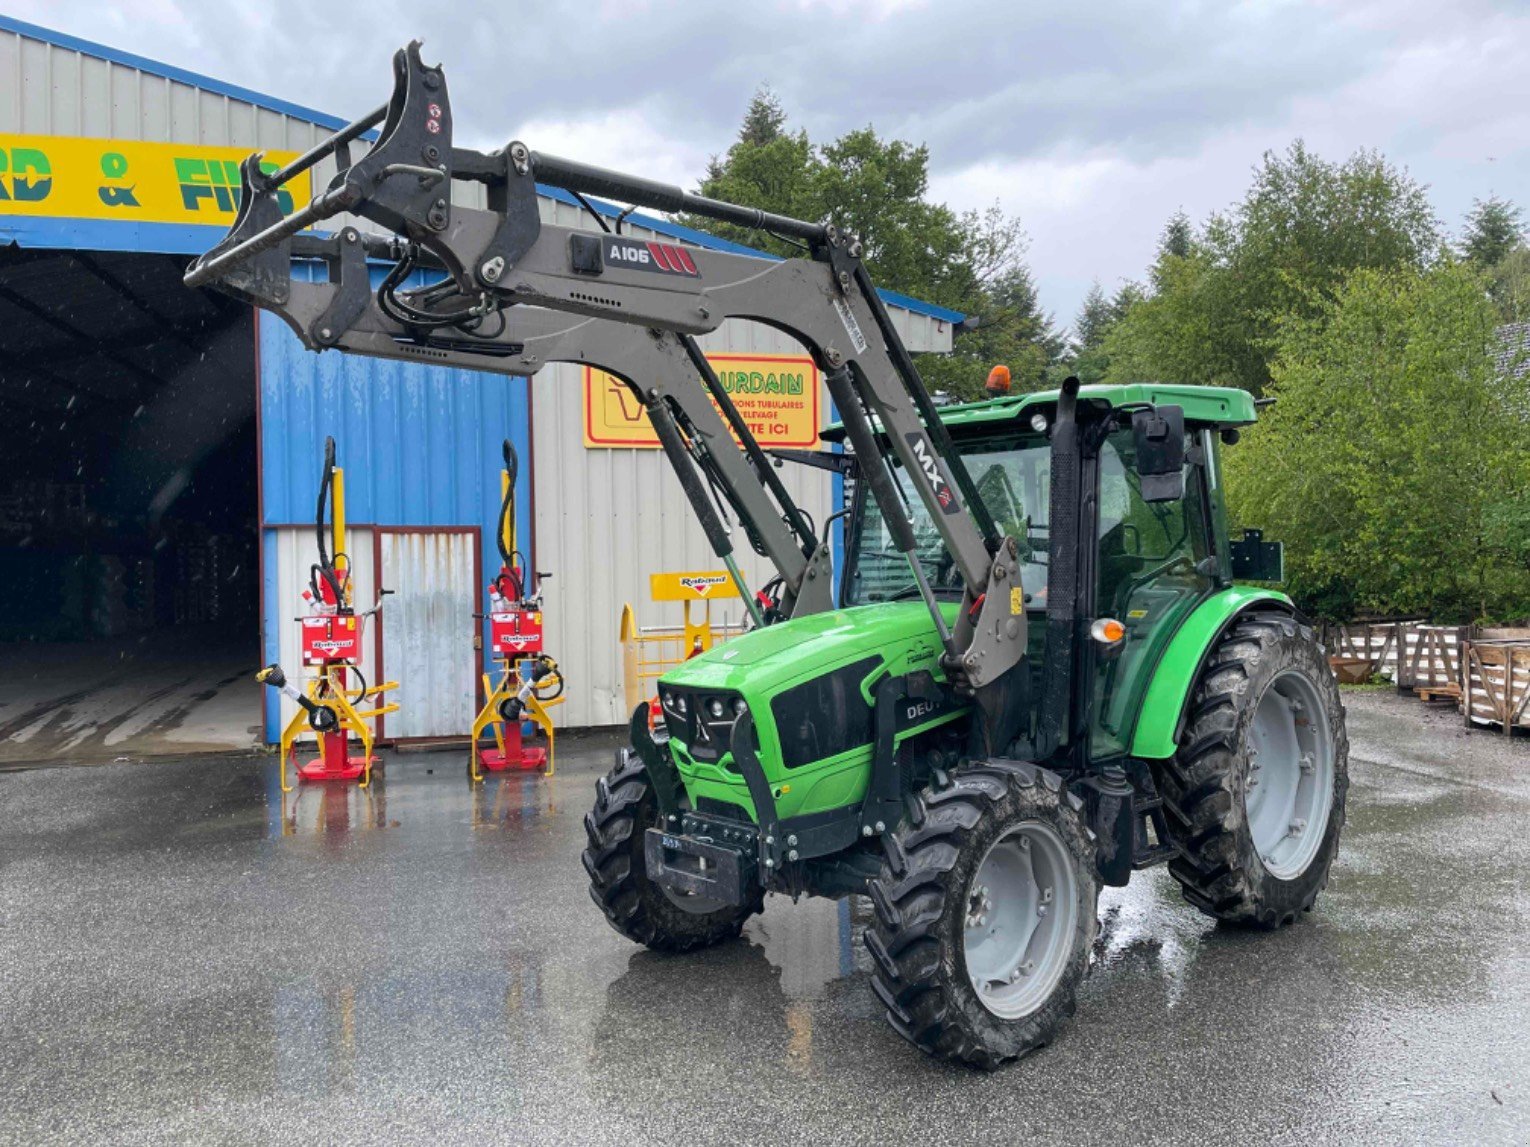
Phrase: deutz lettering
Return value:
(926, 459)
(665, 258)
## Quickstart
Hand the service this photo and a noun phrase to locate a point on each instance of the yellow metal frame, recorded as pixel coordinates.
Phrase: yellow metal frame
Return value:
(649, 653)
(328, 688)
(510, 683)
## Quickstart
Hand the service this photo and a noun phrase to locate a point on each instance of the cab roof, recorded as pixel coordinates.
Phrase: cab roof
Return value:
(1218, 405)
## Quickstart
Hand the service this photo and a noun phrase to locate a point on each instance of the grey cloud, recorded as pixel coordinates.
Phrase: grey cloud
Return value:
(980, 81)
(1178, 97)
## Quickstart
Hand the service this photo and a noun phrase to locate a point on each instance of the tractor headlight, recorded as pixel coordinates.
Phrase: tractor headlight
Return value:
(1039, 422)
(707, 731)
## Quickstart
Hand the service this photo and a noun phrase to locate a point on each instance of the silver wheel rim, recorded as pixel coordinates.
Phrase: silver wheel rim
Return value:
(1289, 792)
(1021, 916)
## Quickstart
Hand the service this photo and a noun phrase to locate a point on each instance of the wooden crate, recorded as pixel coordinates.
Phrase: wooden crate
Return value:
(1433, 661)
(1413, 654)
(1497, 684)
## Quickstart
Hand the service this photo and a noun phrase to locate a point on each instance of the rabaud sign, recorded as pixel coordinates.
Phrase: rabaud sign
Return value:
(127, 181)
(776, 395)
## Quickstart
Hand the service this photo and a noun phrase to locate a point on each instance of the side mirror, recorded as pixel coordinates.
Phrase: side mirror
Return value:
(1159, 434)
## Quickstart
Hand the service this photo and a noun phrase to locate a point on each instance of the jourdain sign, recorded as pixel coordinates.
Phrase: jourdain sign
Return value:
(777, 395)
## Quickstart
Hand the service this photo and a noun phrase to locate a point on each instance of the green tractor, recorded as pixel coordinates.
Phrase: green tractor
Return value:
(1170, 715)
(1040, 675)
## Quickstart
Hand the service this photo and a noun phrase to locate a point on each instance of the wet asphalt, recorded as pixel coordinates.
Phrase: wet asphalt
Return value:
(185, 956)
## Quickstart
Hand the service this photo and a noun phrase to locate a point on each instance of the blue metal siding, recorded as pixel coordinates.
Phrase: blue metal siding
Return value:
(420, 446)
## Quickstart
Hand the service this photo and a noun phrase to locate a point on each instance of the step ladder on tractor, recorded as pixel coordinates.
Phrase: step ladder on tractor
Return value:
(530, 683)
(331, 699)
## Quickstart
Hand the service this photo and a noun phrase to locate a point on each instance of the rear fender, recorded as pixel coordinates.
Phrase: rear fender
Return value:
(1163, 706)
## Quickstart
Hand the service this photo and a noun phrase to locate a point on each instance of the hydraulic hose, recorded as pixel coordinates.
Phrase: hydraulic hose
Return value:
(326, 567)
(507, 503)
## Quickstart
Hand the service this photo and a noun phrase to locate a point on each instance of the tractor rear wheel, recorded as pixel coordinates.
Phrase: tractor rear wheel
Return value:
(1255, 795)
(636, 907)
(985, 914)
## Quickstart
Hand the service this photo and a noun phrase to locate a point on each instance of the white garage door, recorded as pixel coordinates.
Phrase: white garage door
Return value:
(428, 628)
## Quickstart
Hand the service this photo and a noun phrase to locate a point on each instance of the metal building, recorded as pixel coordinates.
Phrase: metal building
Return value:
(164, 444)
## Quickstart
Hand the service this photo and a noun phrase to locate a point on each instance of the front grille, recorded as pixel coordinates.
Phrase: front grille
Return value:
(690, 717)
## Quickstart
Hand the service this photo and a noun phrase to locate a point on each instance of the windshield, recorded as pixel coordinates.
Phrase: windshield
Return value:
(1013, 481)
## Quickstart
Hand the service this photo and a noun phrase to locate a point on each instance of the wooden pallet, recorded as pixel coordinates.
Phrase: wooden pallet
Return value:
(1448, 692)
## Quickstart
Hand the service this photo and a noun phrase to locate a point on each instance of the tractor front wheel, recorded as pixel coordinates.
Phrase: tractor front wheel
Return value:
(985, 914)
(1255, 795)
(635, 906)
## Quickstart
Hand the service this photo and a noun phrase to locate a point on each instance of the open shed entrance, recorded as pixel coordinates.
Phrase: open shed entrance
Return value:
(129, 624)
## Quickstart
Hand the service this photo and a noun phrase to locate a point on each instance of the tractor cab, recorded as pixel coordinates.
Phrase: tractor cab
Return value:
(1152, 546)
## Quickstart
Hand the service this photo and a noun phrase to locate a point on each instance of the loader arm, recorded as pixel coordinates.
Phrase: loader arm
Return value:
(503, 263)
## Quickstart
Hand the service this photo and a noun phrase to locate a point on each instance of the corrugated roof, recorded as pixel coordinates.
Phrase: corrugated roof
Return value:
(1513, 353)
(298, 111)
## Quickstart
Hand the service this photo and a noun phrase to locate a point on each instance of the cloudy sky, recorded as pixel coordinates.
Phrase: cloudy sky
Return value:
(1091, 122)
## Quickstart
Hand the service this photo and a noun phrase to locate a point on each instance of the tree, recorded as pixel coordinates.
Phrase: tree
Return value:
(1303, 226)
(1095, 317)
(1177, 236)
(1395, 454)
(878, 190)
(764, 119)
(1509, 285)
(1494, 228)
(1088, 357)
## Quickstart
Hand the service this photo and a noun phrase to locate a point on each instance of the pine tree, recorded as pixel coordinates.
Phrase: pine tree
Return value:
(1177, 236)
(1094, 318)
(765, 119)
(1494, 227)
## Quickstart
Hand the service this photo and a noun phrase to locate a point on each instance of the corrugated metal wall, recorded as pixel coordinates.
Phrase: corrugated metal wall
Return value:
(427, 626)
(606, 519)
(46, 89)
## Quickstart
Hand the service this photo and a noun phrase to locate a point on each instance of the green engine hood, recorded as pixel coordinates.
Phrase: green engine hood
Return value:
(866, 642)
(778, 655)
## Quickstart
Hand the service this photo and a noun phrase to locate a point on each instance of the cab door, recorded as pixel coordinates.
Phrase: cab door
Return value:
(1151, 573)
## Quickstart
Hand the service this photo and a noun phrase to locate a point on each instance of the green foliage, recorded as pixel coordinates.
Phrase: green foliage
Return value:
(1177, 236)
(1509, 285)
(764, 119)
(1094, 320)
(1393, 462)
(1494, 227)
(878, 190)
(1304, 225)
(1088, 357)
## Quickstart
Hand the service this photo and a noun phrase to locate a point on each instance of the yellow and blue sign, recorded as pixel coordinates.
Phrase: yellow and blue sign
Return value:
(128, 181)
(123, 195)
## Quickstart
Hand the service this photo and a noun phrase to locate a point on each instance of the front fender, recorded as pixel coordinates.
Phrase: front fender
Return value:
(1163, 706)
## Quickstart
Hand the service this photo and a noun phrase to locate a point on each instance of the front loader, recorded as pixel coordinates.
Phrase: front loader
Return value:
(1040, 675)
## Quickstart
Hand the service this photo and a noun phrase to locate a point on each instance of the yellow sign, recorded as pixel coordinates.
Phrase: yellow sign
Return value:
(694, 585)
(128, 181)
(777, 395)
